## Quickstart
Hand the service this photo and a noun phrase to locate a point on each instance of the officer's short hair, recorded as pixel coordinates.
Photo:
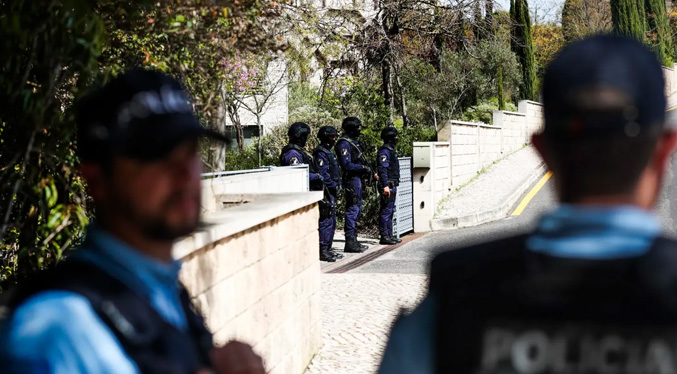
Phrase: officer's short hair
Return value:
(604, 109)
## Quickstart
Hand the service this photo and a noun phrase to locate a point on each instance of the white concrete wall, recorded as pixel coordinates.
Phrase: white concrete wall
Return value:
(430, 184)
(264, 181)
(254, 273)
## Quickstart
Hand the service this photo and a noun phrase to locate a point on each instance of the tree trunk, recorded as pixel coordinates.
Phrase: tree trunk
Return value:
(387, 87)
(234, 116)
(260, 126)
(403, 99)
(501, 95)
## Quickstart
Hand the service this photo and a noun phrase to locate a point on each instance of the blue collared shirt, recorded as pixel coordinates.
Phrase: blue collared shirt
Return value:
(594, 233)
(58, 332)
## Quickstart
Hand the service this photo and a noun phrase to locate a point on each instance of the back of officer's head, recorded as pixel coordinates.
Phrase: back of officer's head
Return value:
(605, 135)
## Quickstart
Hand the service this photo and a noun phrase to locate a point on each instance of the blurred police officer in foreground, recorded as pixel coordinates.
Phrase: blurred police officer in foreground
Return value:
(355, 168)
(388, 180)
(327, 165)
(295, 153)
(116, 305)
(594, 288)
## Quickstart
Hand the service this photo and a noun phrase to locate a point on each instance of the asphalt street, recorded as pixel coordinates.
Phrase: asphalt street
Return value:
(413, 257)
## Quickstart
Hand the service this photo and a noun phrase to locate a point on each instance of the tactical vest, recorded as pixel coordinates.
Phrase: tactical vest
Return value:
(334, 170)
(307, 159)
(393, 166)
(505, 309)
(356, 157)
(155, 345)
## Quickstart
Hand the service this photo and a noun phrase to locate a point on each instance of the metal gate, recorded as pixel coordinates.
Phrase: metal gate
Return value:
(403, 218)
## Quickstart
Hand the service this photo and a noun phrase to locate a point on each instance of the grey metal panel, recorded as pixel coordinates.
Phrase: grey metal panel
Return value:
(403, 219)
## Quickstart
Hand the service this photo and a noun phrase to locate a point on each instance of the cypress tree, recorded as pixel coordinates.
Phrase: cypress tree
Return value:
(658, 27)
(513, 46)
(626, 19)
(524, 49)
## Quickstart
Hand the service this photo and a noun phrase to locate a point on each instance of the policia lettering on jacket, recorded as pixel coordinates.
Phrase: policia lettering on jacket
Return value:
(575, 349)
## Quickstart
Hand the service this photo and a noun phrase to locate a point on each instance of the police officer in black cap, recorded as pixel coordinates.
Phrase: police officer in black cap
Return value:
(295, 153)
(116, 305)
(594, 288)
(355, 168)
(388, 180)
(327, 166)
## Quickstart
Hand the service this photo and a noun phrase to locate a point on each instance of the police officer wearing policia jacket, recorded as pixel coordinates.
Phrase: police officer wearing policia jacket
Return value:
(328, 167)
(355, 168)
(116, 305)
(594, 288)
(388, 180)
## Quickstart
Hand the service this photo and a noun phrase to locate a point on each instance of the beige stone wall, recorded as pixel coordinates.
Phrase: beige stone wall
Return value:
(255, 275)
(475, 146)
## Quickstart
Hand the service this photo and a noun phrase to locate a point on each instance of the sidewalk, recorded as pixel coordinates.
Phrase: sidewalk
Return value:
(492, 194)
(357, 313)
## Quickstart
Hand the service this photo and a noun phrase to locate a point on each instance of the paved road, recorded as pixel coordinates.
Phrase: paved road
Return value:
(413, 257)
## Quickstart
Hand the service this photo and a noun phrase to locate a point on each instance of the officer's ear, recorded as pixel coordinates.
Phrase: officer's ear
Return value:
(665, 147)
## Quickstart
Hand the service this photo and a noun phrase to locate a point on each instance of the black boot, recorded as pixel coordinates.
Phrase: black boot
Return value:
(336, 254)
(395, 238)
(326, 255)
(363, 246)
(352, 246)
(387, 240)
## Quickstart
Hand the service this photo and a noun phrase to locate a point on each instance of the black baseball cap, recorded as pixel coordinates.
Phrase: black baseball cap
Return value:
(605, 85)
(140, 114)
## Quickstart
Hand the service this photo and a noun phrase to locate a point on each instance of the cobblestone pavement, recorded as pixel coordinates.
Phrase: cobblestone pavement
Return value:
(357, 312)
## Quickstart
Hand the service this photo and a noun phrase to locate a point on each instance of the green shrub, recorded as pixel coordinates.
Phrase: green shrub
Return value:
(483, 112)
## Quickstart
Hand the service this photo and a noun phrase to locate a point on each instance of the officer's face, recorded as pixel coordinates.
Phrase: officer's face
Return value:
(161, 198)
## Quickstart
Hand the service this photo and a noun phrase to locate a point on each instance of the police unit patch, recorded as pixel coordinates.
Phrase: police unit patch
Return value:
(320, 162)
(294, 161)
(384, 158)
(344, 152)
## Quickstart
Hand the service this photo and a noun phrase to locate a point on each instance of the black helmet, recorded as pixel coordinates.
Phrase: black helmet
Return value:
(326, 133)
(389, 134)
(298, 133)
(351, 125)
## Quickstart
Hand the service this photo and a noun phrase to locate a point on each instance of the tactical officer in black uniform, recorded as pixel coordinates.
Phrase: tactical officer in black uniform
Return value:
(594, 289)
(388, 180)
(327, 165)
(356, 172)
(295, 153)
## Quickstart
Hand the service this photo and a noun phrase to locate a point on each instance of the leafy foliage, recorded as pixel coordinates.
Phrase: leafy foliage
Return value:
(585, 17)
(52, 51)
(548, 40)
(49, 51)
